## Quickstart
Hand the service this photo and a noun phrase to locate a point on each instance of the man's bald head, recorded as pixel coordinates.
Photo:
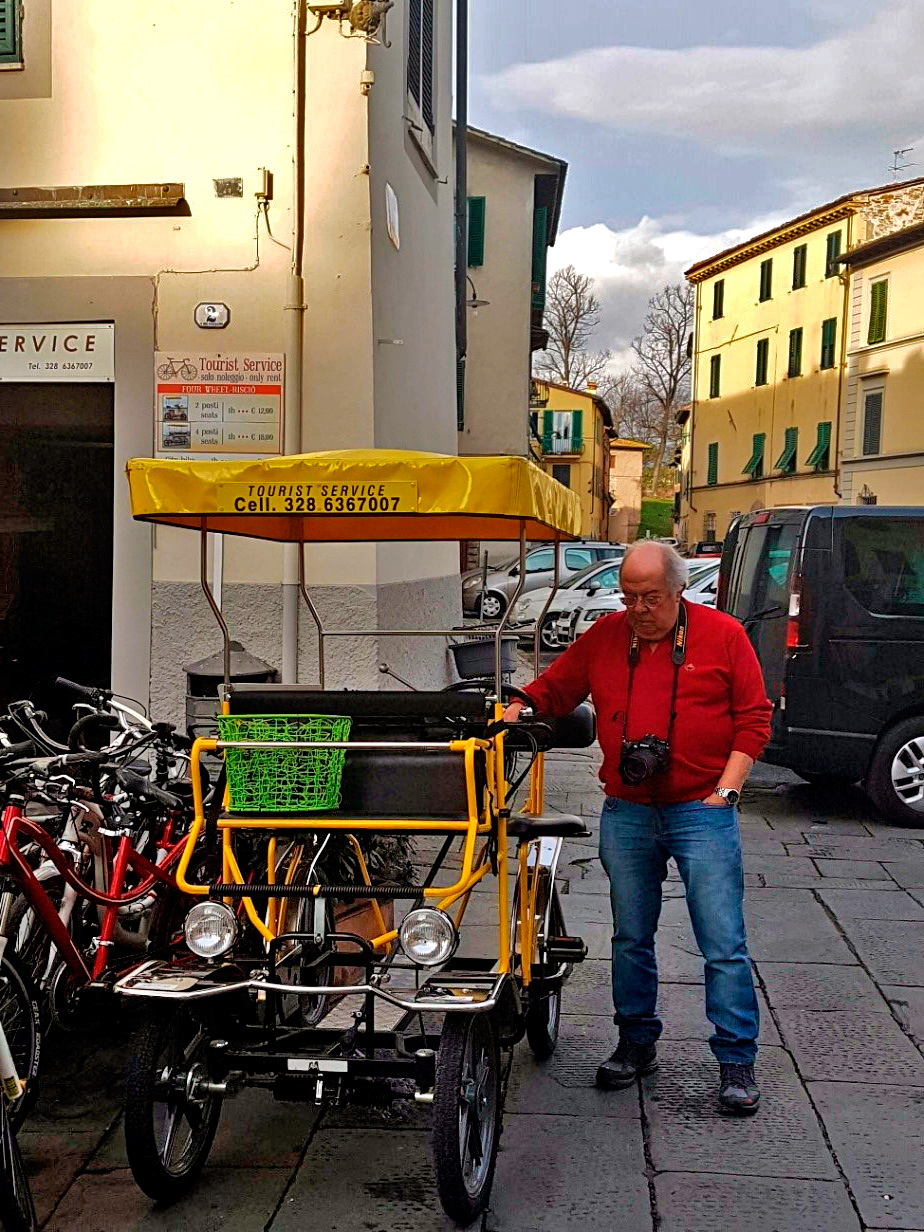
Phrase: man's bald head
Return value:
(652, 578)
(648, 558)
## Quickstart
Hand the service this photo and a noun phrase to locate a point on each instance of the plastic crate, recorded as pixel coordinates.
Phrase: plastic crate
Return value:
(284, 780)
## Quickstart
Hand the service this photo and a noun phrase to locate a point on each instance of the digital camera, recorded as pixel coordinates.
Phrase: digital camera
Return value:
(641, 759)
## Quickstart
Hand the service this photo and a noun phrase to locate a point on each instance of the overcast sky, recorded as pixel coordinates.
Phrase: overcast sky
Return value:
(688, 125)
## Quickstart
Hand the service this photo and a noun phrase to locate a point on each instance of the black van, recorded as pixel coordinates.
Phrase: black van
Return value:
(832, 598)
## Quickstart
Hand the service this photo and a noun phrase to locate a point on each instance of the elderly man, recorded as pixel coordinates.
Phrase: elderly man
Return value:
(682, 715)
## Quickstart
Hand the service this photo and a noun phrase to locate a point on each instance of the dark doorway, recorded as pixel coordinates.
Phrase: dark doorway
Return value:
(56, 502)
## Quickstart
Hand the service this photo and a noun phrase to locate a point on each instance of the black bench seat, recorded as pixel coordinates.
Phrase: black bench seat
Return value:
(546, 825)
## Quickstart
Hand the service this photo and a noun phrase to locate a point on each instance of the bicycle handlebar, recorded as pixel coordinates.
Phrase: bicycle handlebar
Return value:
(135, 785)
(81, 690)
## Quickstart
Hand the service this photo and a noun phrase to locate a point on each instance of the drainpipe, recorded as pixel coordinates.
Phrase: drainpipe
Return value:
(293, 341)
(461, 201)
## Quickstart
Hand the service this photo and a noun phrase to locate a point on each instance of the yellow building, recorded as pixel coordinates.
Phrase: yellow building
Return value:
(571, 432)
(770, 360)
(883, 431)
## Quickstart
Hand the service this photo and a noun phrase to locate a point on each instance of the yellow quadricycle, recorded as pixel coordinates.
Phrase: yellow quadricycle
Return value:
(276, 947)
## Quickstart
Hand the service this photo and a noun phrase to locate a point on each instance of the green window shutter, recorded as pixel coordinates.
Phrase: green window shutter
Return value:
(715, 376)
(766, 278)
(718, 299)
(787, 460)
(540, 253)
(872, 423)
(799, 255)
(414, 24)
(755, 467)
(795, 353)
(832, 255)
(476, 231)
(821, 454)
(577, 431)
(763, 358)
(547, 432)
(878, 305)
(828, 341)
(9, 32)
(713, 471)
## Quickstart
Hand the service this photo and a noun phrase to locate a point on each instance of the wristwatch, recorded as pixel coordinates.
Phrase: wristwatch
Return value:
(729, 794)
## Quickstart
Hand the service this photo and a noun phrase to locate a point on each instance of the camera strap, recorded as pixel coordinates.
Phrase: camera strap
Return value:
(678, 655)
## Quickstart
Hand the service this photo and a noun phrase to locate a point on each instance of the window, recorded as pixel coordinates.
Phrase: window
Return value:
(561, 471)
(718, 299)
(608, 579)
(540, 254)
(884, 564)
(712, 475)
(786, 462)
(755, 467)
(760, 568)
(562, 432)
(828, 340)
(10, 33)
(578, 558)
(766, 279)
(878, 306)
(820, 457)
(872, 421)
(709, 526)
(795, 353)
(832, 255)
(476, 231)
(799, 255)
(763, 359)
(539, 562)
(420, 73)
(715, 375)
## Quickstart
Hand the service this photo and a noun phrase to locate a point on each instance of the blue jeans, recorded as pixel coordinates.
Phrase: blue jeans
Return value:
(635, 843)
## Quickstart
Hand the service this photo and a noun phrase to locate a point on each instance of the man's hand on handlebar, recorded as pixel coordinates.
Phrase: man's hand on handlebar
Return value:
(515, 709)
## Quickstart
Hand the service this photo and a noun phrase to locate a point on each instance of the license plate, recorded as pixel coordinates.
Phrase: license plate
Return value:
(389, 496)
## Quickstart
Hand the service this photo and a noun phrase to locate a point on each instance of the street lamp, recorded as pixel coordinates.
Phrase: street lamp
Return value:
(475, 303)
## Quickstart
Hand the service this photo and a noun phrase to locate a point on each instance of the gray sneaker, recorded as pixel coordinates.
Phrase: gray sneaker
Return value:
(628, 1062)
(738, 1093)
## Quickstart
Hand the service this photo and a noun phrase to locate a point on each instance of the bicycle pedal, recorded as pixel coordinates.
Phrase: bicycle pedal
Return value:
(566, 949)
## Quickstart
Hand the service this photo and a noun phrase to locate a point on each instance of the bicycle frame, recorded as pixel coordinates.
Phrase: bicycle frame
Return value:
(14, 825)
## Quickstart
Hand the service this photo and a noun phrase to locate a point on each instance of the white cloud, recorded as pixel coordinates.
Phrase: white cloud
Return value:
(740, 99)
(630, 265)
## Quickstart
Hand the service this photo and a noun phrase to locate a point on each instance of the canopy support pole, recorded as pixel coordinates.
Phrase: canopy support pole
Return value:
(508, 612)
(313, 610)
(204, 582)
(548, 603)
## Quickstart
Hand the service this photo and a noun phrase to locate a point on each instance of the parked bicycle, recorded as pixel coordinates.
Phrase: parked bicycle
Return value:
(17, 1210)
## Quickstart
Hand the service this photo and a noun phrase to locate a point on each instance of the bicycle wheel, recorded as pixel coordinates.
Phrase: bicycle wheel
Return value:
(302, 1009)
(17, 1212)
(22, 1022)
(466, 1114)
(543, 1014)
(169, 1124)
(166, 371)
(28, 934)
(188, 372)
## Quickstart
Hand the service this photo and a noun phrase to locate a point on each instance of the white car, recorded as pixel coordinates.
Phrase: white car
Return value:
(599, 578)
(702, 588)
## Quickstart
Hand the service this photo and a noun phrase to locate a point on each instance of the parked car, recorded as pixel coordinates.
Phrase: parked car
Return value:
(705, 548)
(702, 588)
(832, 598)
(599, 578)
(540, 562)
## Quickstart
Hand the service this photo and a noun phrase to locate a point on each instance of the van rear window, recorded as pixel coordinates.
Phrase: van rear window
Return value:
(884, 564)
(759, 573)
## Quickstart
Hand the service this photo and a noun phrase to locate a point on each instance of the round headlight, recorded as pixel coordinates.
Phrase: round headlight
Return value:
(210, 929)
(428, 936)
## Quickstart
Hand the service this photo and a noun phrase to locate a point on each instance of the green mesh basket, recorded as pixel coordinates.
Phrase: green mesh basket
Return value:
(284, 780)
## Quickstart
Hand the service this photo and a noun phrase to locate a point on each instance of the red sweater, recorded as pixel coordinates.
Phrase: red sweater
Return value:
(722, 703)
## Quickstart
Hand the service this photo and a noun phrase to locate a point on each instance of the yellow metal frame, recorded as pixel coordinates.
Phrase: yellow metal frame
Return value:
(476, 864)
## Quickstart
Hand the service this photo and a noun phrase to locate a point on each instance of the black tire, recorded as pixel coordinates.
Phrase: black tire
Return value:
(158, 1105)
(494, 603)
(303, 1009)
(464, 1145)
(28, 935)
(543, 1014)
(895, 782)
(548, 640)
(21, 1016)
(17, 1213)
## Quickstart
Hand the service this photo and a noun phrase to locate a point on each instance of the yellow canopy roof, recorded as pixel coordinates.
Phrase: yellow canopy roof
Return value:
(356, 494)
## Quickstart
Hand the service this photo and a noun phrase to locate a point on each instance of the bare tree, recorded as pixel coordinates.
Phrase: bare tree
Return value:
(572, 315)
(663, 363)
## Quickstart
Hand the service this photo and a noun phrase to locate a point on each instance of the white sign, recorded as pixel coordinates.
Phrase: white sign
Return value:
(218, 404)
(57, 352)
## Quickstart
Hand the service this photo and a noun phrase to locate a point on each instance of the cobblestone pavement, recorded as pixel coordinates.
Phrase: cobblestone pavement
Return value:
(835, 904)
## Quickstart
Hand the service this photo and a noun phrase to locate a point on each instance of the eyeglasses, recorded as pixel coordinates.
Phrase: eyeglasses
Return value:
(647, 601)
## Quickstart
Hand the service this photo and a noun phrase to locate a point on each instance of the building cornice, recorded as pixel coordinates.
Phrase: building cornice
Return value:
(768, 240)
